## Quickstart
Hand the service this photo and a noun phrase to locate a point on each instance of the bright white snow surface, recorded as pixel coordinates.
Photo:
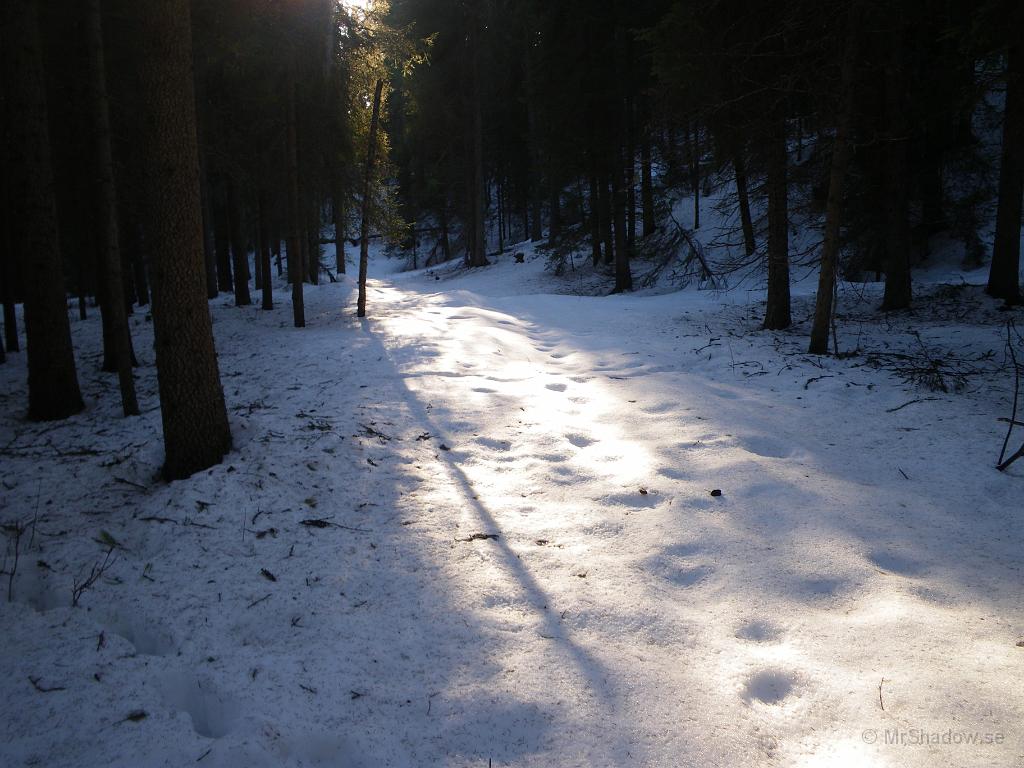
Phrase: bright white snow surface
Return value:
(859, 557)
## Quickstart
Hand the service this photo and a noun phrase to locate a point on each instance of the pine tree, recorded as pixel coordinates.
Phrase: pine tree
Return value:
(52, 378)
(196, 432)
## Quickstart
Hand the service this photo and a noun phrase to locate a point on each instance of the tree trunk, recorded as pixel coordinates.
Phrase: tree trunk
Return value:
(7, 265)
(313, 262)
(478, 254)
(1004, 275)
(897, 239)
(239, 255)
(294, 221)
(264, 252)
(841, 151)
(114, 305)
(257, 261)
(53, 390)
(338, 204)
(647, 185)
(694, 157)
(195, 422)
(607, 230)
(222, 243)
(595, 222)
(209, 245)
(554, 208)
(777, 313)
(620, 197)
(364, 230)
(743, 197)
(139, 275)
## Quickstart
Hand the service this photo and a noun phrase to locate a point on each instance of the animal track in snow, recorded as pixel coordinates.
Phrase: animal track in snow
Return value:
(496, 445)
(556, 387)
(758, 631)
(673, 474)
(766, 447)
(149, 638)
(893, 562)
(769, 686)
(213, 714)
(580, 441)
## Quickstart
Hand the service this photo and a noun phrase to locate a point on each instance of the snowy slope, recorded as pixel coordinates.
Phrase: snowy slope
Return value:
(861, 554)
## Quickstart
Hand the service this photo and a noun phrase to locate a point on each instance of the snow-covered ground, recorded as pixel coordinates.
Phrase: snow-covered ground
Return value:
(327, 596)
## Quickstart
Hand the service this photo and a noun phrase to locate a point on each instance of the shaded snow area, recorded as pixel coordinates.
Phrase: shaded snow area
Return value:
(479, 529)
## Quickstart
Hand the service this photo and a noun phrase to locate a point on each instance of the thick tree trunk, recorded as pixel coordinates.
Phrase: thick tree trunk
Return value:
(53, 390)
(777, 312)
(1004, 275)
(841, 151)
(106, 199)
(195, 422)
(294, 215)
(364, 229)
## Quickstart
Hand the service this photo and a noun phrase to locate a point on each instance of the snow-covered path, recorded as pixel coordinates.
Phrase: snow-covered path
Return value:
(656, 624)
(860, 554)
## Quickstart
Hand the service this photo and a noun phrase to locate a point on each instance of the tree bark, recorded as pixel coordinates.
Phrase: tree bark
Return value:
(841, 151)
(364, 230)
(743, 198)
(1004, 274)
(777, 312)
(106, 199)
(195, 422)
(52, 379)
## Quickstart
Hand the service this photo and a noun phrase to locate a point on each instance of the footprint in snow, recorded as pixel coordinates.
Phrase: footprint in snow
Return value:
(580, 441)
(758, 631)
(769, 686)
(149, 637)
(213, 713)
(555, 387)
(766, 447)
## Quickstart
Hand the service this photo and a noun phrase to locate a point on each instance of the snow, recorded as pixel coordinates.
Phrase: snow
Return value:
(860, 555)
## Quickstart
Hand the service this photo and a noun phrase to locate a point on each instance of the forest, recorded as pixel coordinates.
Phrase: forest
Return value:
(472, 382)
